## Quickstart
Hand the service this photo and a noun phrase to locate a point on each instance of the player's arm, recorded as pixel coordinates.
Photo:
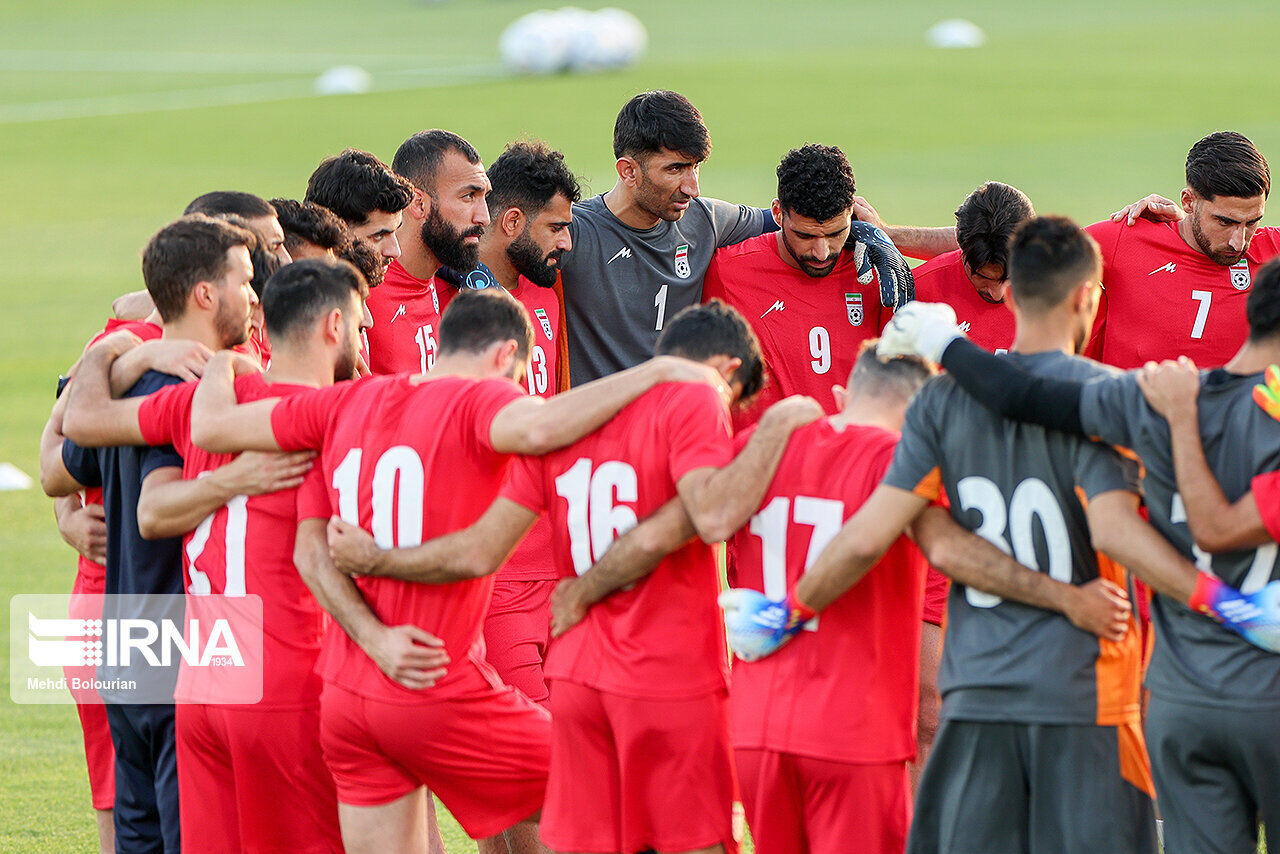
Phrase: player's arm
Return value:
(83, 527)
(720, 501)
(1098, 607)
(1217, 525)
(1119, 531)
(170, 506)
(408, 654)
(134, 305)
(1153, 207)
(182, 359)
(473, 552)
(220, 424)
(534, 425)
(917, 242)
(629, 558)
(55, 479)
(93, 418)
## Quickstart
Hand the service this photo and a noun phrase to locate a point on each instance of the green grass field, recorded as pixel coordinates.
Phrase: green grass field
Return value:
(113, 115)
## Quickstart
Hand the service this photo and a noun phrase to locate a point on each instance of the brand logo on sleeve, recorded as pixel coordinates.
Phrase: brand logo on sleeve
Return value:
(1240, 279)
(624, 252)
(1167, 268)
(682, 261)
(853, 305)
(541, 314)
(777, 306)
(399, 313)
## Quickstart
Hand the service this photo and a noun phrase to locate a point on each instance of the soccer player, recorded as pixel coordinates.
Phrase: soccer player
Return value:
(392, 450)
(197, 271)
(974, 278)
(238, 522)
(1213, 694)
(366, 194)
(310, 231)
(442, 226)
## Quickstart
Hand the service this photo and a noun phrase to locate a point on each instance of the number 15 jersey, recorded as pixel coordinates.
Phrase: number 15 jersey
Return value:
(1023, 489)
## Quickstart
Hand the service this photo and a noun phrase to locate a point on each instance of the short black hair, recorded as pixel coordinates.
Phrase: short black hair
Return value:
(701, 332)
(652, 121)
(528, 175)
(476, 320)
(816, 181)
(1227, 163)
(354, 184)
(1050, 257)
(1262, 309)
(985, 222)
(221, 202)
(901, 376)
(265, 262)
(418, 158)
(299, 293)
(184, 253)
(309, 222)
(366, 259)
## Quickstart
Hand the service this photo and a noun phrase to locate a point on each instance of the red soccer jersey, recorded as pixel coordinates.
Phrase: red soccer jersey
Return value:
(531, 561)
(989, 325)
(405, 335)
(408, 459)
(846, 688)
(809, 329)
(1266, 494)
(1162, 299)
(664, 638)
(246, 547)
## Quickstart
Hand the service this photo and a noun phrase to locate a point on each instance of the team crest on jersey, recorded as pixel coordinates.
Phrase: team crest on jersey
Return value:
(682, 261)
(853, 305)
(541, 314)
(1240, 279)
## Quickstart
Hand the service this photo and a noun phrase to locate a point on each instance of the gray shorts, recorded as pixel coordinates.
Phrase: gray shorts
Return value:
(1217, 774)
(1029, 789)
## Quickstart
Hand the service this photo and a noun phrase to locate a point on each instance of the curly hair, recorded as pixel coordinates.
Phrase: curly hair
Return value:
(310, 223)
(816, 181)
(354, 184)
(528, 175)
(985, 221)
(366, 259)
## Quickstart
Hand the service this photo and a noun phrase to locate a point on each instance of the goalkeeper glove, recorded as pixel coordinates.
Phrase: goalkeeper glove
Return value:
(759, 625)
(873, 250)
(1267, 395)
(919, 329)
(1253, 616)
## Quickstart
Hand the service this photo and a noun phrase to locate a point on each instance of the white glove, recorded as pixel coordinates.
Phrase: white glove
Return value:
(919, 329)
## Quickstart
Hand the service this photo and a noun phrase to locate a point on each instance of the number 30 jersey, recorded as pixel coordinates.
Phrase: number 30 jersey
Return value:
(1023, 489)
(664, 638)
(1162, 299)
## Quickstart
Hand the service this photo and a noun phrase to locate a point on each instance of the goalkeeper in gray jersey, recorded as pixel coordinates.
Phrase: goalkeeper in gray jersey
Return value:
(1215, 687)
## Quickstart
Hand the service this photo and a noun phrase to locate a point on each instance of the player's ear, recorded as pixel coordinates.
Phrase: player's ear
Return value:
(504, 356)
(419, 205)
(332, 326)
(777, 212)
(204, 296)
(1188, 199)
(841, 396)
(628, 171)
(511, 222)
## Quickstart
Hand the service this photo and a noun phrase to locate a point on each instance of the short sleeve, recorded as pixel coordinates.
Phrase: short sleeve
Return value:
(81, 463)
(1266, 493)
(735, 223)
(165, 417)
(700, 435)
(159, 457)
(313, 497)
(300, 421)
(712, 285)
(1111, 407)
(1099, 469)
(485, 401)
(524, 484)
(917, 458)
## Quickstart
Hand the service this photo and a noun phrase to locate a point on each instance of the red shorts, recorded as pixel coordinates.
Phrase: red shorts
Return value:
(254, 780)
(800, 805)
(99, 753)
(629, 774)
(484, 754)
(517, 631)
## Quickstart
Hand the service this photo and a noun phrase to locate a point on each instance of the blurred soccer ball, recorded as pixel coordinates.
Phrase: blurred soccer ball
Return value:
(344, 80)
(956, 33)
(572, 39)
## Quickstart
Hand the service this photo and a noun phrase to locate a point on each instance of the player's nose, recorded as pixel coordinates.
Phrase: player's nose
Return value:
(366, 321)
(390, 246)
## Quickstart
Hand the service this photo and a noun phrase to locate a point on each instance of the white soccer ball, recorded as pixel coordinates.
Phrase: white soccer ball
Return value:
(621, 38)
(578, 28)
(344, 80)
(956, 33)
(535, 44)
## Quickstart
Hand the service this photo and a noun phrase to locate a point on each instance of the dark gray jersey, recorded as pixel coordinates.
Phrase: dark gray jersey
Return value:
(621, 283)
(1016, 486)
(1195, 659)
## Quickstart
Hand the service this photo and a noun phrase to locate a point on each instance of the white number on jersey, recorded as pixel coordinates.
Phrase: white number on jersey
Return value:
(1264, 557)
(398, 485)
(233, 547)
(536, 370)
(425, 338)
(1205, 298)
(660, 303)
(824, 515)
(594, 519)
(1031, 499)
(820, 349)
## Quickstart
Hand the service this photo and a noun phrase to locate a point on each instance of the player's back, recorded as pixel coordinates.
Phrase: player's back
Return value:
(663, 637)
(409, 459)
(1194, 656)
(846, 688)
(1022, 488)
